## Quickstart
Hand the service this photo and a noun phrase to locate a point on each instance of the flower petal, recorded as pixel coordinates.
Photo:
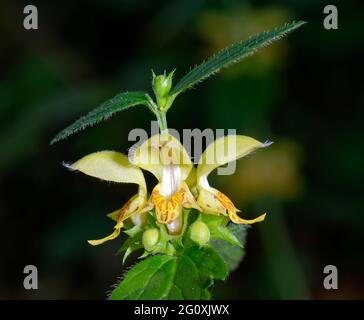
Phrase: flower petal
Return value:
(192, 178)
(209, 202)
(231, 209)
(110, 166)
(167, 209)
(224, 150)
(132, 207)
(213, 201)
(159, 151)
(114, 215)
(188, 199)
(236, 219)
(112, 236)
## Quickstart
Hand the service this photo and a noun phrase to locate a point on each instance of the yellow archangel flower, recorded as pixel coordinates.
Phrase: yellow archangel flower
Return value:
(115, 167)
(165, 157)
(222, 151)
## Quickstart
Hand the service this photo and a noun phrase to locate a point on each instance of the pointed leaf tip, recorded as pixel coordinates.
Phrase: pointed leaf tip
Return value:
(231, 55)
(121, 101)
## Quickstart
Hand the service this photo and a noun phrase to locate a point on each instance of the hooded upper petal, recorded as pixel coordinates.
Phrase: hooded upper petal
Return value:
(224, 150)
(161, 151)
(220, 152)
(110, 166)
(115, 166)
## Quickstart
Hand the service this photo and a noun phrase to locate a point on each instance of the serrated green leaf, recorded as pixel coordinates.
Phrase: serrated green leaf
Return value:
(121, 101)
(231, 55)
(159, 285)
(232, 254)
(186, 277)
(150, 279)
(210, 265)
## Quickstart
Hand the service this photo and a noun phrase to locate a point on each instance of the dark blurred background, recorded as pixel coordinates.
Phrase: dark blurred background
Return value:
(305, 93)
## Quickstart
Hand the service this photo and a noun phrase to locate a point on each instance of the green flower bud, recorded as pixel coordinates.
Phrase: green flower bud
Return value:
(200, 233)
(150, 238)
(162, 84)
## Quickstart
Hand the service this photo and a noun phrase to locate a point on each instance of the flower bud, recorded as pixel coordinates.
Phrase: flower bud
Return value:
(150, 238)
(200, 233)
(162, 84)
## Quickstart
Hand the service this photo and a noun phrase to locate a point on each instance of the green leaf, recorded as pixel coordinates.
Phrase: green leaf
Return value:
(231, 55)
(205, 295)
(130, 245)
(150, 279)
(218, 228)
(231, 254)
(121, 101)
(133, 230)
(175, 294)
(210, 264)
(186, 277)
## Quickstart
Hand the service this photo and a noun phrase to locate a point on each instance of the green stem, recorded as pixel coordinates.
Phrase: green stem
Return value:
(162, 121)
(161, 115)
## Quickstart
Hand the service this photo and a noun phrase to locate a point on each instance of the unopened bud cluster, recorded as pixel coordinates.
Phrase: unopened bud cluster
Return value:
(162, 85)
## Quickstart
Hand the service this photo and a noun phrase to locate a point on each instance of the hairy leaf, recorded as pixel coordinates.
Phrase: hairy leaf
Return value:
(186, 277)
(231, 55)
(150, 279)
(231, 254)
(120, 102)
(210, 264)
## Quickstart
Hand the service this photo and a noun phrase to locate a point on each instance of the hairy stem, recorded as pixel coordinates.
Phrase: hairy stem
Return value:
(162, 121)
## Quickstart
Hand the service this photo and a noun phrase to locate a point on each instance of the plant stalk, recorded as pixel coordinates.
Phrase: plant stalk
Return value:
(162, 121)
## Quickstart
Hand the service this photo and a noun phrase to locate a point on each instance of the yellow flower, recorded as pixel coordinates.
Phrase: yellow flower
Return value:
(165, 157)
(114, 166)
(219, 153)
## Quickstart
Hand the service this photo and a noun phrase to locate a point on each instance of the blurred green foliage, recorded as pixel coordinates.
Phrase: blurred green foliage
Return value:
(305, 93)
